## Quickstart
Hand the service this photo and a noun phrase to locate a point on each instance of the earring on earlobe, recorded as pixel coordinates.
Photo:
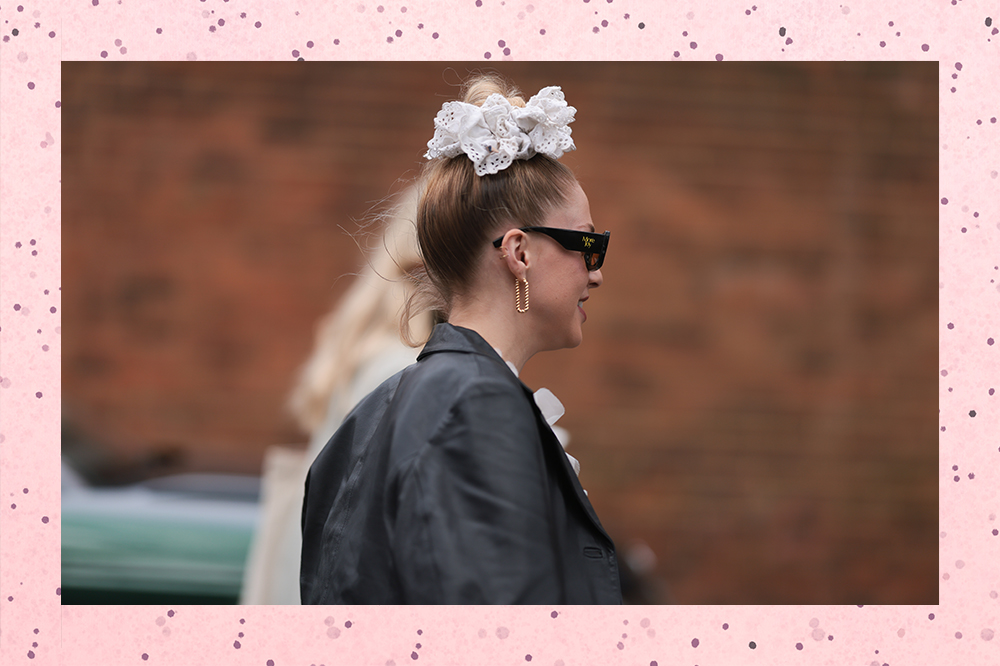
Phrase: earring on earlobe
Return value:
(517, 294)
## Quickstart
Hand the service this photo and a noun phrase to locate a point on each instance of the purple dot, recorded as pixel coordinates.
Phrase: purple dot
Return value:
(958, 634)
(694, 642)
(596, 30)
(944, 201)
(725, 626)
(989, 341)
(677, 54)
(621, 646)
(958, 66)
(554, 614)
(604, 24)
(381, 9)
(257, 24)
(956, 481)
(993, 120)
(399, 33)
(798, 646)
(487, 55)
(540, 32)
(348, 624)
(925, 47)
(31, 655)
(971, 475)
(170, 613)
(145, 657)
(527, 657)
(58, 591)
(242, 621)
(309, 45)
(58, 104)
(435, 35)
(996, 532)
(420, 26)
(38, 394)
(991, 391)
(418, 646)
(236, 644)
(123, 50)
(414, 656)
(25, 491)
(104, 54)
(95, 2)
(718, 56)
(684, 34)
(159, 31)
(270, 662)
(402, 10)
(17, 307)
(694, 45)
(882, 44)
(506, 51)
(295, 53)
(501, 43)
(642, 26)
(239, 635)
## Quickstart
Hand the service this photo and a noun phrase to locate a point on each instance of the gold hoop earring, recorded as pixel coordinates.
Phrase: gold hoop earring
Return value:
(517, 295)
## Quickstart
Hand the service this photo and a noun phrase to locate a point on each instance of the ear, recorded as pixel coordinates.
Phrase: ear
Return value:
(518, 257)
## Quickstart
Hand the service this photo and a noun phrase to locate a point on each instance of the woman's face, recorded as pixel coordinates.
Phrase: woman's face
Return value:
(560, 282)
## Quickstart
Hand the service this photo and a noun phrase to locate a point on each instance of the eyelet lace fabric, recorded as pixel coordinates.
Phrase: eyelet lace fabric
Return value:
(497, 133)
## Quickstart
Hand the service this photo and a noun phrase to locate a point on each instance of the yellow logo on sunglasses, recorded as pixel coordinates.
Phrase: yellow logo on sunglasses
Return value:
(587, 242)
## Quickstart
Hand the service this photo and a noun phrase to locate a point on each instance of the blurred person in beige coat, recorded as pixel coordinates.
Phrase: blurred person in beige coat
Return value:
(358, 346)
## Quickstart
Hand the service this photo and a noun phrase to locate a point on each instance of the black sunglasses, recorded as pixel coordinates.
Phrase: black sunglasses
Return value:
(593, 246)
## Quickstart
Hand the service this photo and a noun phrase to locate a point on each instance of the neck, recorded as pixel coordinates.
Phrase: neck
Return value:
(498, 327)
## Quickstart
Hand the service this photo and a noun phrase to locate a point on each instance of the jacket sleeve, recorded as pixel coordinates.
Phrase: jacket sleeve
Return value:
(472, 522)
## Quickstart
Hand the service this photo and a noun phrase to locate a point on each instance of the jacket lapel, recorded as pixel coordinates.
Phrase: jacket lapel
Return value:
(446, 337)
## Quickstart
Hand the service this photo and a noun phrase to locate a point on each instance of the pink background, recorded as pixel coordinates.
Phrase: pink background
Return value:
(34, 628)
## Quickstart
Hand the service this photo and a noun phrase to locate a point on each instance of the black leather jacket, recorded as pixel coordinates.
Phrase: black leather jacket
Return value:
(446, 486)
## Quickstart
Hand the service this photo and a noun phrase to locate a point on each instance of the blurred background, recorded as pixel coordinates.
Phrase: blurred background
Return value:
(754, 404)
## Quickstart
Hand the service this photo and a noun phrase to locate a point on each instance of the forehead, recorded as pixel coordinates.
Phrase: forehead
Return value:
(574, 214)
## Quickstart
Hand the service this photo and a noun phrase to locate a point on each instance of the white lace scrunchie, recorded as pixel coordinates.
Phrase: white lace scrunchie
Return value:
(495, 134)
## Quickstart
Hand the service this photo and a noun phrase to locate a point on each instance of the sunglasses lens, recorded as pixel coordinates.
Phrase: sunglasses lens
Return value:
(592, 259)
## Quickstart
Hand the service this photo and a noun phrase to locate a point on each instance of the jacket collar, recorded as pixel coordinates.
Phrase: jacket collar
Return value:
(448, 338)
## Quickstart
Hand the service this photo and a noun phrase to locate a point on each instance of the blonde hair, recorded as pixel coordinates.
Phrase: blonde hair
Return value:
(459, 213)
(366, 320)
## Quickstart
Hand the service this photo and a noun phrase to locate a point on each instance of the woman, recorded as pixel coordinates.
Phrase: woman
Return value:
(446, 484)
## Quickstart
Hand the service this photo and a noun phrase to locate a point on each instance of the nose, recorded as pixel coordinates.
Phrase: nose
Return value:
(596, 279)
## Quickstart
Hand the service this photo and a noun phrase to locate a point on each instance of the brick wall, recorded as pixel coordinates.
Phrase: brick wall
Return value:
(755, 398)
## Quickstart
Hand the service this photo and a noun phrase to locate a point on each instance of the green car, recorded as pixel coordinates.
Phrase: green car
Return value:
(179, 539)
